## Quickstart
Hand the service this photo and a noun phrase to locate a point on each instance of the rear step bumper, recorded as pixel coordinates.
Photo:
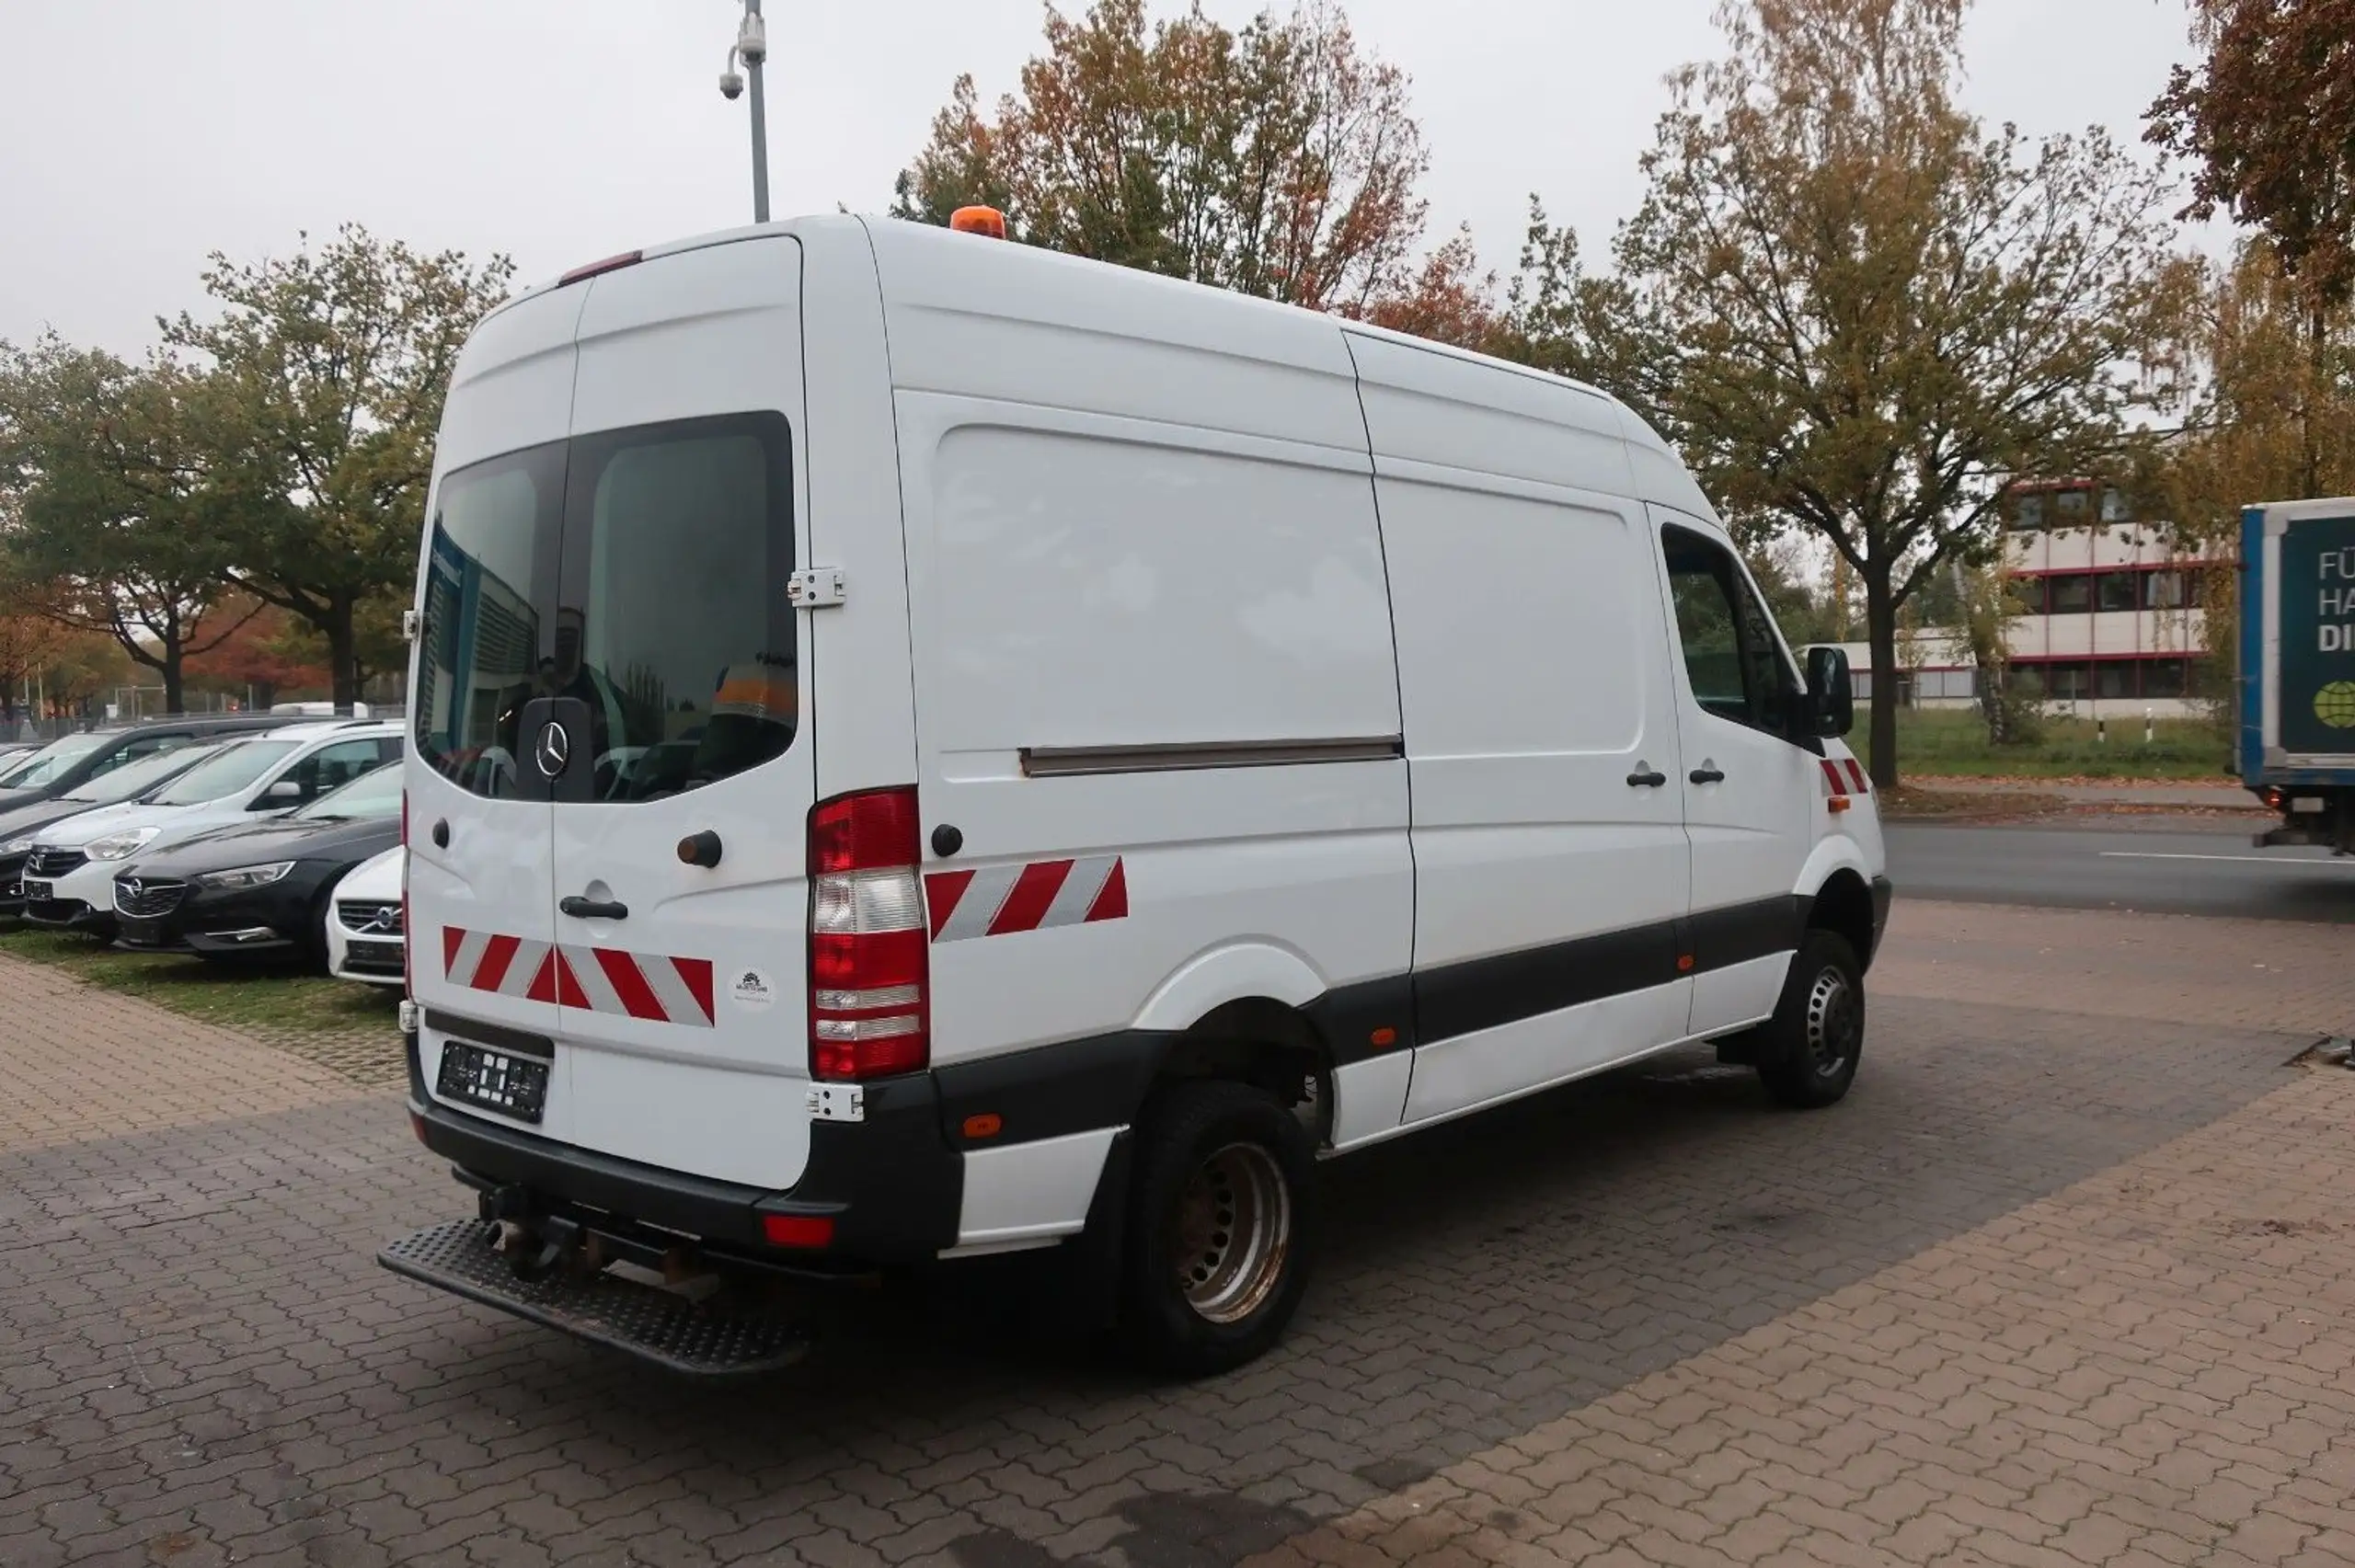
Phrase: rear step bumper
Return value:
(643, 1319)
(892, 1185)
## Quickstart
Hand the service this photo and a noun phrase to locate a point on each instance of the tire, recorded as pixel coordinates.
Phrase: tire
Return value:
(1809, 1052)
(1199, 1293)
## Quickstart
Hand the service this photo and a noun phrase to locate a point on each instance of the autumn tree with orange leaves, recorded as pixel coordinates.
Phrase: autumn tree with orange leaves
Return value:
(1279, 161)
(2264, 122)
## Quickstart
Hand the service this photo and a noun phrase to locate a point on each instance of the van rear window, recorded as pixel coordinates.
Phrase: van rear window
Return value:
(642, 571)
(490, 576)
(678, 541)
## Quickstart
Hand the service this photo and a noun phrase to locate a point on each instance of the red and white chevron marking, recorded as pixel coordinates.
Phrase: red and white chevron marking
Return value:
(1000, 900)
(1844, 775)
(595, 979)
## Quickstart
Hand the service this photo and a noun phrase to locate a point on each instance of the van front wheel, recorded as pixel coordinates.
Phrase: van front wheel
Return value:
(1220, 1229)
(1807, 1052)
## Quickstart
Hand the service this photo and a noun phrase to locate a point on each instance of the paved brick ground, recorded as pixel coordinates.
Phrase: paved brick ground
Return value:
(78, 1063)
(2046, 1159)
(2151, 1368)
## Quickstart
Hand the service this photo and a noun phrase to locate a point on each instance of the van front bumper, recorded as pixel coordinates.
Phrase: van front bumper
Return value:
(890, 1184)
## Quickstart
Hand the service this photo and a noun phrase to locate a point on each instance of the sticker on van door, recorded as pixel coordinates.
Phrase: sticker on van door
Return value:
(596, 980)
(752, 989)
(1003, 900)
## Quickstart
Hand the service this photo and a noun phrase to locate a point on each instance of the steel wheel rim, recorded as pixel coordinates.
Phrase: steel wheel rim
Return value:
(1233, 1232)
(1833, 1023)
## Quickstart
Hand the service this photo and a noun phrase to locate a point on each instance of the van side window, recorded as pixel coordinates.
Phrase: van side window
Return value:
(1731, 654)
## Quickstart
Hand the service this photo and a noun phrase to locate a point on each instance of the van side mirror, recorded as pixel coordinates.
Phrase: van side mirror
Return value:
(1830, 691)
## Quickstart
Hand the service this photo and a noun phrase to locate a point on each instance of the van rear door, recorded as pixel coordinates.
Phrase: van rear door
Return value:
(481, 914)
(680, 815)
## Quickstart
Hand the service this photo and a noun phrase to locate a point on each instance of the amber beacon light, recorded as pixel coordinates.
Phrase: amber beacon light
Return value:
(984, 221)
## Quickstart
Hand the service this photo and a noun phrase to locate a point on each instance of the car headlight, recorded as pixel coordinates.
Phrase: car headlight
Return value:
(18, 846)
(117, 846)
(245, 875)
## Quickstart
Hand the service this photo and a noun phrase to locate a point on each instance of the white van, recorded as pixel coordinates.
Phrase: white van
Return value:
(924, 747)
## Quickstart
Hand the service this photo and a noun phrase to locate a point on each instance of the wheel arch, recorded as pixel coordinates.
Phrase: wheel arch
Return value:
(1843, 906)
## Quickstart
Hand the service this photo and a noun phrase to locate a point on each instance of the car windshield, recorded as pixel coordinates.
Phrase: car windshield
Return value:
(53, 760)
(236, 767)
(14, 761)
(135, 779)
(371, 794)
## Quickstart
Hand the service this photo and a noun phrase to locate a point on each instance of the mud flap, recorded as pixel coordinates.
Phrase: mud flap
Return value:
(644, 1320)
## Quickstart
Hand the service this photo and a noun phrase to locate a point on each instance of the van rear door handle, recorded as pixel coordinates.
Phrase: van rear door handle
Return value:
(583, 908)
(1707, 775)
(1646, 781)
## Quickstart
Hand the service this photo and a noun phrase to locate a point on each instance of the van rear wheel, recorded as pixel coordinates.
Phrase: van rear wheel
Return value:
(1221, 1218)
(1808, 1053)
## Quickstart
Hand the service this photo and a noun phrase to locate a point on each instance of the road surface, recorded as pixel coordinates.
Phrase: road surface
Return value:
(2172, 869)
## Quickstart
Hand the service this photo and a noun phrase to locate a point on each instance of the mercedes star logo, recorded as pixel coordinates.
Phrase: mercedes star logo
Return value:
(553, 750)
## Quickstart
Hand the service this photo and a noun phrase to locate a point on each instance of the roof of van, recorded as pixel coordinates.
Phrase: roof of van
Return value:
(927, 260)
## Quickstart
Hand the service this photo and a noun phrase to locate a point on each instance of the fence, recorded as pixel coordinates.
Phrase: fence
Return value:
(21, 720)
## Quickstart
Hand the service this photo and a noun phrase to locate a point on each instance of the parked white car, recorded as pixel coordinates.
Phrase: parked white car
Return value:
(69, 875)
(363, 923)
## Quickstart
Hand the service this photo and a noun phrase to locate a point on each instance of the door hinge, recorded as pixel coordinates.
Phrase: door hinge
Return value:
(815, 588)
(409, 625)
(838, 1103)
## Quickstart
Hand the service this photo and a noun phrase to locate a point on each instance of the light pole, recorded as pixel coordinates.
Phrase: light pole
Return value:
(752, 47)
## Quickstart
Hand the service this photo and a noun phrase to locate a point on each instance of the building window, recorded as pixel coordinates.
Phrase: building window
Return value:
(1947, 684)
(2170, 589)
(2066, 682)
(2029, 511)
(2114, 677)
(2072, 595)
(2113, 505)
(2165, 678)
(2117, 590)
(2069, 506)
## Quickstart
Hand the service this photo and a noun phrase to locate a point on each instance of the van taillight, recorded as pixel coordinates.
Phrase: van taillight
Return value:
(868, 958)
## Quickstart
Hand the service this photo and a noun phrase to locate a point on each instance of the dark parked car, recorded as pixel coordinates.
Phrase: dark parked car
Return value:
(259, 889)
(63, 766)
(20, 825)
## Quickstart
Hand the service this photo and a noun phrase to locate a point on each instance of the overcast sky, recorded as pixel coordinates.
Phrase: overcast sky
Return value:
(136, 135)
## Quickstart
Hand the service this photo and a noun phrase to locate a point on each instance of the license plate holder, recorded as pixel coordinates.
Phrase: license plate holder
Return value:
(39, 892)
(509, 1082)
(2310, 804)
